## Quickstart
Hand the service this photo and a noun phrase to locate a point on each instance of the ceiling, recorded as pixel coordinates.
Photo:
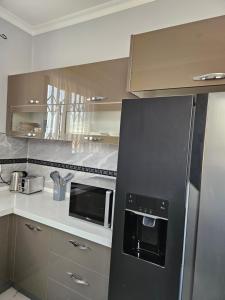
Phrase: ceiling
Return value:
(39, 16)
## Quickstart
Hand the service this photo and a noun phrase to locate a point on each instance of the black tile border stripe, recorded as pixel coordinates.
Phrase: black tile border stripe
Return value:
(72, 167)
(8, 161)
(59, 165)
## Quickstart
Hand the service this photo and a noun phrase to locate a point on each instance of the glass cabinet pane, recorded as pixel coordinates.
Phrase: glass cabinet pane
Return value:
(31, 124)
(47, 123)
(95, 121)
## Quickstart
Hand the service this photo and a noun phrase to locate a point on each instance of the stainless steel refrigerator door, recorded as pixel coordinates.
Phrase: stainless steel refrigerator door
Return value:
(209, 279)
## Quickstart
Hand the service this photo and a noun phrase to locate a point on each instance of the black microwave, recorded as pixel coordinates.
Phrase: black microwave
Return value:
(92, 204)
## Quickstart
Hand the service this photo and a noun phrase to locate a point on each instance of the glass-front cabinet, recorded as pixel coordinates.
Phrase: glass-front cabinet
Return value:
(81, 103)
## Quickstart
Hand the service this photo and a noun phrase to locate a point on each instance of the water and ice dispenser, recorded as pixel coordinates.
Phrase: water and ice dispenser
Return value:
(145, 230)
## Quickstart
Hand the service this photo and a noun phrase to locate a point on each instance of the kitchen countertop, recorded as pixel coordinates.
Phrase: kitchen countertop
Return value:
(41, 207)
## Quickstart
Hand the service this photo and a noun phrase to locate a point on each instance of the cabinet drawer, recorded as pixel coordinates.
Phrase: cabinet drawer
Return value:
(81, 251)
(83, 281)
(170, 58)
(57, 291)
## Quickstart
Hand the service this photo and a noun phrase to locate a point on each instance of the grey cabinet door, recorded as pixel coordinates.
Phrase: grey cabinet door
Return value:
(82, 281)
(31, 258)
(4, 252)
(88, 254)
(57, 291)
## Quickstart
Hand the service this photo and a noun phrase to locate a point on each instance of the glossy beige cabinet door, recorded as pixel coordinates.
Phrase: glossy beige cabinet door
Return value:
(31, 258)
(79, 103)
(4, 252)
(28, 89)
(170, 58)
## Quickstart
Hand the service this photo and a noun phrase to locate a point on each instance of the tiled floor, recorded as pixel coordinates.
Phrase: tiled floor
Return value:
(12, 294)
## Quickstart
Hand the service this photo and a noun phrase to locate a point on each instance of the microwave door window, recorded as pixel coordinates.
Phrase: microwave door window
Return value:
(88, 204)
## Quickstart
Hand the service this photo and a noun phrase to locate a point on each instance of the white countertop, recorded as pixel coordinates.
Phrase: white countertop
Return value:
(41, 207)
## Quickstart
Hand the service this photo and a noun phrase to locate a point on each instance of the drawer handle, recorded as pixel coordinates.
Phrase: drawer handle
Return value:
(77, 279)
(78, 245)
(29, 226)
(210, 76)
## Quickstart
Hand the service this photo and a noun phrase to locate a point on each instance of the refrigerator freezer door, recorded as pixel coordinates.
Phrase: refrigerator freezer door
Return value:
(209, 279)
(153, 162)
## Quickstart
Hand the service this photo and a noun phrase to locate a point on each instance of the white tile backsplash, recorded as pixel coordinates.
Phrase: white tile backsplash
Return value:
(90, 155)
(12, 147)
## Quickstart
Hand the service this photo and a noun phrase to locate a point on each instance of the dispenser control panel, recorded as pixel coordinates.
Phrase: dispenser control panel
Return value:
(147, 205)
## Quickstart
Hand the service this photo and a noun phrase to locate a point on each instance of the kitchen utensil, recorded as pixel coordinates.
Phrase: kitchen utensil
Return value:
(60, 183)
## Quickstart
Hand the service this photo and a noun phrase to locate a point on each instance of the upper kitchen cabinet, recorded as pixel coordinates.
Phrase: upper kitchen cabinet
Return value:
(185, 56)
(80, 103)
(27, 89)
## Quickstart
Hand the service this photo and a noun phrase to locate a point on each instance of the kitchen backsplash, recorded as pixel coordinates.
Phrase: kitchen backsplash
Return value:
(87, 161)
(11, 148)
(12, 151)
(90, 155)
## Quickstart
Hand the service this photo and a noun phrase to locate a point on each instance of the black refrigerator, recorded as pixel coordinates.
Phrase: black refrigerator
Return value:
(158, 198)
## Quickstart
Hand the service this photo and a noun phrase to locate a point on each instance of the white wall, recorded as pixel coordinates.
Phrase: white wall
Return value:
(15, 57)
(109, 37)
(100, 39)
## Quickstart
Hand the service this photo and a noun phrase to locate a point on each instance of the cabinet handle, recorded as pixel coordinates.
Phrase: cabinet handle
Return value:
(97, 98)
(93, 139)
(77, 279)
(78, 245)
(210, 76)
(29, 226)
(31, 134)
(32, 101)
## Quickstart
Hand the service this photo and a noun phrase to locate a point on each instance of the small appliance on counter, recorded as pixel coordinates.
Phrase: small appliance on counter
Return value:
(92, 204)
(15, 180)
(31, 184)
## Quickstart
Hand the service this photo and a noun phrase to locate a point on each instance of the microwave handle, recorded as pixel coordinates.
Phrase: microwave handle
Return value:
(107, 204)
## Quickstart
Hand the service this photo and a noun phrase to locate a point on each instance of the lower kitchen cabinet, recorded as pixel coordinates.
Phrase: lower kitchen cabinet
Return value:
(4, 252)
(31, 258)
(81, 280)
(57, 291)
(86, 253)
(49, 264)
